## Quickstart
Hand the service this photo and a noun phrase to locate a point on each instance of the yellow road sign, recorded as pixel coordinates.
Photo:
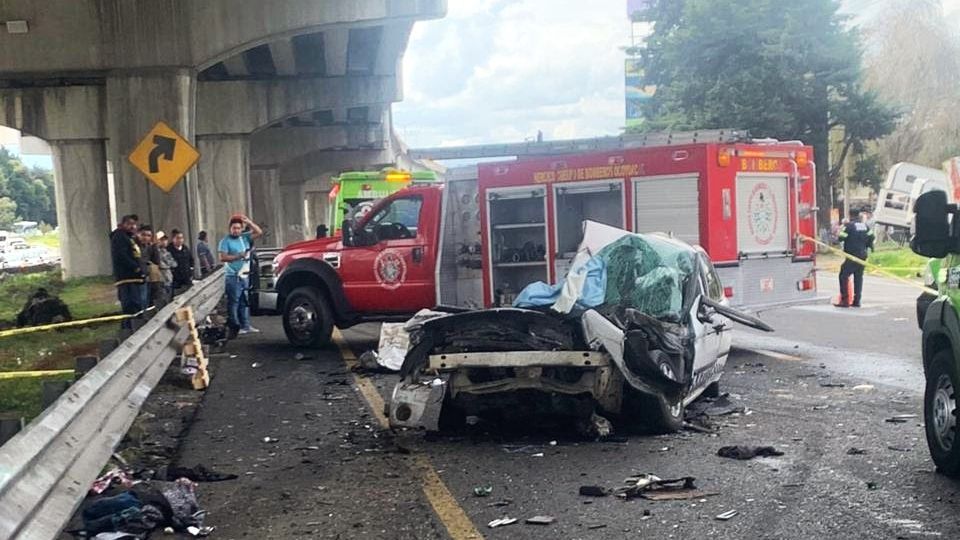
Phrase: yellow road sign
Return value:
(164, 156)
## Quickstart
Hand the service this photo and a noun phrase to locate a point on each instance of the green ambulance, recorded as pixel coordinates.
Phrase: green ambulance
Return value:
(937, 235)
(353, 194)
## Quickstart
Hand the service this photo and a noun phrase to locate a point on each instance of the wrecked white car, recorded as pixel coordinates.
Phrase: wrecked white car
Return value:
(637, 330)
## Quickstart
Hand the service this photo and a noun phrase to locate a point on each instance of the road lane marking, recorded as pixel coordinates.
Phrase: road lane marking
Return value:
(772, 354)
(444, 504)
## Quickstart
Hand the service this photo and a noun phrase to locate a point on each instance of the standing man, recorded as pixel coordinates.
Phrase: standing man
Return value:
(204, 254)
(127, 272)
(183, 273)
(235, 254)
(857, 239)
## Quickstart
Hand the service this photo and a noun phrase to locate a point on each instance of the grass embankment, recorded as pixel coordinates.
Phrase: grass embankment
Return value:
(49, 240)
(891, 258)
(50, 350)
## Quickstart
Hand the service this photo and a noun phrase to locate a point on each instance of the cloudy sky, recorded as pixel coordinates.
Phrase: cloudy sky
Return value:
(499, 70)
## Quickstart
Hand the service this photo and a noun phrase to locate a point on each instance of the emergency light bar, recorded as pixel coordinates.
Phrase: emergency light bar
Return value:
(725, 155)
(396, 176)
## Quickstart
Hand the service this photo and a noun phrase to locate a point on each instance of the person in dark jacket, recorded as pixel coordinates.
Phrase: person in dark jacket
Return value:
(183, 273)
(204, 254)
(127, 271)
(857, 239)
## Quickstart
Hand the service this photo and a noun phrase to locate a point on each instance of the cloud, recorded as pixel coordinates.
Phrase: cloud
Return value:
(498, 71)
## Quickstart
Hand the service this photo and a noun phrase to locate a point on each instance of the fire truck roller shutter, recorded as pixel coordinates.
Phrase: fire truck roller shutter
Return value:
(763, 214)
(668, 204)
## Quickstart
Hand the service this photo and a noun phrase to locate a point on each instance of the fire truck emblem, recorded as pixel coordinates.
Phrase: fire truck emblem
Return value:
(390, 269)
(762, 213)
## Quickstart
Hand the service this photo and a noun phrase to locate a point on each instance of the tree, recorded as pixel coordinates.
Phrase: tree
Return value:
(789, 70)
(8, 212)
(912, 65)
(31, 189)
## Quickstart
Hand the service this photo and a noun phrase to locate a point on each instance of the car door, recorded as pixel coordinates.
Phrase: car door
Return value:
(712, 328)
(388, 272)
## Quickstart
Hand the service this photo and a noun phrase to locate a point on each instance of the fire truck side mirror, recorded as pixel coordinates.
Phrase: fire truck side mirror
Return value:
(932, 232)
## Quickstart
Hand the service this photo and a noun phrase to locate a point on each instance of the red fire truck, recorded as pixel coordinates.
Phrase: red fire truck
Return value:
(489, 231)
(745, 204)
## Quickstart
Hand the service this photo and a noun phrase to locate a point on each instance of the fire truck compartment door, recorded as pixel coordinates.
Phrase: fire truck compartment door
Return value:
(763, 214)
(668, 204)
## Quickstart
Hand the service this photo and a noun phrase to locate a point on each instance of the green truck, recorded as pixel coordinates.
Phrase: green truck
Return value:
(354, 193)
(937, 235)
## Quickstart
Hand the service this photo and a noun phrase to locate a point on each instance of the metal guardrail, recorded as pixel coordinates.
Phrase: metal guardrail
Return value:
(46, 470)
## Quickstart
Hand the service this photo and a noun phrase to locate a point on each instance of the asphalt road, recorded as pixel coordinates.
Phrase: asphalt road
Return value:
(333, 473)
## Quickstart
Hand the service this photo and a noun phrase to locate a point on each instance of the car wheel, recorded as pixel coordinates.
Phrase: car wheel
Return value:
(307, 320)
(654, 414)
(940, 413)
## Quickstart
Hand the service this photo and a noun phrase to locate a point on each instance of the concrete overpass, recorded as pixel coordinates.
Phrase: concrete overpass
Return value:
(277, 96)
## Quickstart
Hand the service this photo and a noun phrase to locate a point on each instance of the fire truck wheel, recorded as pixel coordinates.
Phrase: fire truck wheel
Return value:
(654, 414)
(940, 413)
(307, 319)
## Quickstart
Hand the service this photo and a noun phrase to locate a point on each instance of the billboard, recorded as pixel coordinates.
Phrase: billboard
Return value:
(634, 6)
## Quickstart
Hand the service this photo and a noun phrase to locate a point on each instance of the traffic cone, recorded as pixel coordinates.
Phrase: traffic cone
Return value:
(839, 298)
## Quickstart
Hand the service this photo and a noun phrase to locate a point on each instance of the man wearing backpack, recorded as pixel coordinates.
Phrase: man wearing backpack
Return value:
(235, 254)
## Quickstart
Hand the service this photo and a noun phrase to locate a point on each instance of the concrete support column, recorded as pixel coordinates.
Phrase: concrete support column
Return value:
(266, 205)
(136, 101)
(223, 182)
(83, 207)
(292, 217)
(317, 204)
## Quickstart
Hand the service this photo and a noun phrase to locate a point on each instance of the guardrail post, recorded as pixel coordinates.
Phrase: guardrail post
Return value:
(83, 364)
(10, 425)
(51, 390)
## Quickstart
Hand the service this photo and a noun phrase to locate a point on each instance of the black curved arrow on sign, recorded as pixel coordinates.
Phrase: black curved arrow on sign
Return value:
(163, 147)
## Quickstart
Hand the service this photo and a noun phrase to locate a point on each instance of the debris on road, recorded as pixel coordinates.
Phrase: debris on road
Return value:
(854, 451)
(197, 473)
(597, 427)
(482, 491)
(540, 520)
(654, 488)
(727, 515)
(502, 522)
(720, 406)
(594, 491)
(270, 440)
(863, 387)
(743, 452)
(255, 365)
(831, 384)
(900, 418)
(500, 504)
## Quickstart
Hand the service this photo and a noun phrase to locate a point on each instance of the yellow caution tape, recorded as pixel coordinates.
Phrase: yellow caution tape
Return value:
(25, 374)
(871, 266)
(71, 324)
